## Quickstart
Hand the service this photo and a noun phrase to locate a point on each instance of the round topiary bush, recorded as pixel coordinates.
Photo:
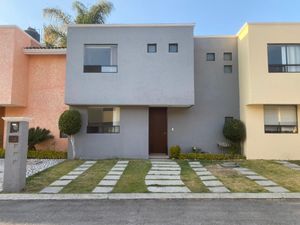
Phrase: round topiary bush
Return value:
(70, 122)
(234, 130)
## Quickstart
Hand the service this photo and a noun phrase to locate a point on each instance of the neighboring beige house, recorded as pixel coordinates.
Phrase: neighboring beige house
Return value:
(142, 88)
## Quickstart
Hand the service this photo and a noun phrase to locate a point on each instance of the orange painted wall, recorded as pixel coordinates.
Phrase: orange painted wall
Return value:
(45, 100)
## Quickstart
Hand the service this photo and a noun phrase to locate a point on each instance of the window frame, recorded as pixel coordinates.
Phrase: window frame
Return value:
(151, 44)
(284, 66)
(227, 53)
(211, 53)
(99, 70)
(279, 127)
(104, 129)
(173, 44)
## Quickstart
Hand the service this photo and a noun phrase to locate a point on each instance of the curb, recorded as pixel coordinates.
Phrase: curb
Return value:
(148, 196)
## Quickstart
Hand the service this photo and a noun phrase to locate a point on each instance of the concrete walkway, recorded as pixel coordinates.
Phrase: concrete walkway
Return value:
(164, 176)
(262, 181)
(292, 166)
(108, 183)
(59, 184)
(208, 179)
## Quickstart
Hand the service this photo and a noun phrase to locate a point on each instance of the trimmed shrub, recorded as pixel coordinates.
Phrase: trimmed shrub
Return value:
(234, 130)
(208, 156)
(38, 135)
(41, 154)
(70, 122)
(175, 152)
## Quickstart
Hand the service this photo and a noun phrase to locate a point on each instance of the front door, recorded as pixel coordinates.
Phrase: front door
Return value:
(158, 131)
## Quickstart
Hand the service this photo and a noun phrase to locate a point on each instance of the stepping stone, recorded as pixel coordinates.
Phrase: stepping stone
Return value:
(103, 189)
(169, 189)
(248, 172)
(276, 189)
(218, 189)
(164, 169)
(115, 173)
(207, 178)
(194, 163)
(201, 173)
(256, 177)
(108, 182)
(157, 172)
(162, 177)
(241, 169)
(123, 161)
(168, 166)
(163, 163)
(265, 183)
(212, 183)
(51, 190)
(196, 166)
(79, 169)
(117, 169)
(199, 169)
(76, 173)
(61, 182)
(112, 177)
(90, 161)
(69, 177)
(164, 182)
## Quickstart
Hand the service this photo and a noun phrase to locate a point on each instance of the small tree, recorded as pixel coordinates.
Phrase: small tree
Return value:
(235, 131)
(70, 123)
(38, 135)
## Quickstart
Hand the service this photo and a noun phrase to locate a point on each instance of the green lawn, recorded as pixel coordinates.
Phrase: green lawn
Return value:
(87, 181)
(276, 172)
(133, 178)
(40, 180)
(190, 178)
(295, 161)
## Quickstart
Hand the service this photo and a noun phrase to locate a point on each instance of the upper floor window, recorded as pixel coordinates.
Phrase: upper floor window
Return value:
(284, 58)
(210, 56)
(227, 68)
(227, 56)
(280, 119)
(151, 48)
(103, 120)
(100, 59)
(173, 47)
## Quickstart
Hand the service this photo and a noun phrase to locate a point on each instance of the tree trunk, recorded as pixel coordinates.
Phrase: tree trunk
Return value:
(72, 140)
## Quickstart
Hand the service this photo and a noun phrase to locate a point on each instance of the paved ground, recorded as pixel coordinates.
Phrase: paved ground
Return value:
(181, 212)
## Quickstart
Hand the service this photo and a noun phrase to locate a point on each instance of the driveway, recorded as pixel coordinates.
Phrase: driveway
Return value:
(181, 212)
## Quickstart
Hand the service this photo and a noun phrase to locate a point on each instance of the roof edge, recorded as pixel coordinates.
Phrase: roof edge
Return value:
(215, 36)
(43, 51)
(136, 25)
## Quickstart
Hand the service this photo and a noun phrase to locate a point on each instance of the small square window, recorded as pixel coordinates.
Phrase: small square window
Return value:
(210, 57)
(227, 56)
(151, 48)
(173, 47)
(227, 68)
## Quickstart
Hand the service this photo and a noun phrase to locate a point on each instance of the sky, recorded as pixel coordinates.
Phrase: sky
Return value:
(212, 17)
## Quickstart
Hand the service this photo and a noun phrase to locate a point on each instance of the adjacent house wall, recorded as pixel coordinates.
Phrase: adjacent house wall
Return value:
(258, 87)
(157, 79)
(131, 142)
(216, 96)
(46, 79)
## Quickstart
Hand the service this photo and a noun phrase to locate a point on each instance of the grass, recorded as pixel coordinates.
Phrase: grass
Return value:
(133, 178)
(190, 178)
(295, 161)
(40, 180)
(280, 174)
(233, 180)
(87, 181)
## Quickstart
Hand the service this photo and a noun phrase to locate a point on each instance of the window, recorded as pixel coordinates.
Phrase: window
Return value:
(284, 58)
(103, 120)
(227, 68)
(151, 48)
(210, 57)
(280, 119)
(173, 47)
(100, 59)
(228, 118)
(227, 56)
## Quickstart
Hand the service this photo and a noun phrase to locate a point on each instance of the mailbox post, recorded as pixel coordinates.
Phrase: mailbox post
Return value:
(16, 147)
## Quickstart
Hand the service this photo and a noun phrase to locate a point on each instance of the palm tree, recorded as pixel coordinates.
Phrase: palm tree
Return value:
(55, 35)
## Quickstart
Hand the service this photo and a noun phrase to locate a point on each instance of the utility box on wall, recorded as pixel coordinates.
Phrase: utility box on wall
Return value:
(16, 147)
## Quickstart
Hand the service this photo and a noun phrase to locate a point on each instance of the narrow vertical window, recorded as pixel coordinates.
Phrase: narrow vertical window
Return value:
(151, 48)
(210, 56)
(173, 47)
(227, 56)
(227, 68)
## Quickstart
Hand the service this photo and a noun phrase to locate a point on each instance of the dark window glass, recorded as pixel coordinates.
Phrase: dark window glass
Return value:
(210, 57)
(151, 48)
(228, 69)
(227, 56)
(173, 47)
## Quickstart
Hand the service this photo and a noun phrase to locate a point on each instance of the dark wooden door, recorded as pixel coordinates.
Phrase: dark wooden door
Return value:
(158, 130)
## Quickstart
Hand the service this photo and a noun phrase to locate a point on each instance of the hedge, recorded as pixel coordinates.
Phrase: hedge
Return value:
(209, 156)
(41, 154)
